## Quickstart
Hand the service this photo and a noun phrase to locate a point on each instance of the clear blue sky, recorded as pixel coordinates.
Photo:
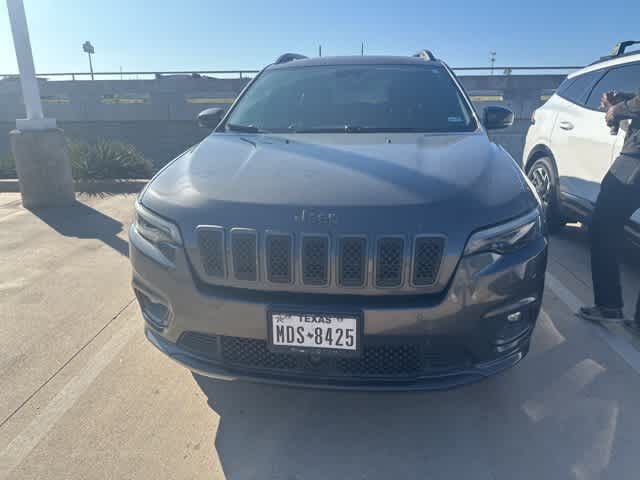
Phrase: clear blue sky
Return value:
(192, 34)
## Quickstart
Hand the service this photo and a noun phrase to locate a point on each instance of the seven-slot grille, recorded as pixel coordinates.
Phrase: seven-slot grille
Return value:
(309, 259)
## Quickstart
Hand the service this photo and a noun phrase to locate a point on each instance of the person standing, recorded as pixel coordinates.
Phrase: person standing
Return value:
(619, 198)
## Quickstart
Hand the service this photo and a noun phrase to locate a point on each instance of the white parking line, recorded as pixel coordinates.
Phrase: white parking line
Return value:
(44, 421)
(616, 342)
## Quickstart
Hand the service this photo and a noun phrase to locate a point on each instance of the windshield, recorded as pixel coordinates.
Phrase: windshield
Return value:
(362, 98)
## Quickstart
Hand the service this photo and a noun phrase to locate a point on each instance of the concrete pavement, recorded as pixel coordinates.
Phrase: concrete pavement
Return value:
(83, 395)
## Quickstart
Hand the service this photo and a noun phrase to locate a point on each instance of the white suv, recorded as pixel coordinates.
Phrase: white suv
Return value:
(569, 148)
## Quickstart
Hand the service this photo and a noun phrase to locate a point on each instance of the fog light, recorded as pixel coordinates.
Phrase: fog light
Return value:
(517, 325)
(514, 317)
(154, 311)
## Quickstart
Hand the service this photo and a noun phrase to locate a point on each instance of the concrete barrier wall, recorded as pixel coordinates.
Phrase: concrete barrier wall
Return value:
(157, 116)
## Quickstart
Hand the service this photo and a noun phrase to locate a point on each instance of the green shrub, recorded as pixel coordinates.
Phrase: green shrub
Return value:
(7, 166)
(104, 159)
(107, 159)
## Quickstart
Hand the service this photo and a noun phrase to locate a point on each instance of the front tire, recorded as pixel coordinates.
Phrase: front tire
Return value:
(542, 174)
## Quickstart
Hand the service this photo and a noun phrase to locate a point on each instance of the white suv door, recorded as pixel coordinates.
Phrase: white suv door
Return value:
(623, 78)
(581, 142)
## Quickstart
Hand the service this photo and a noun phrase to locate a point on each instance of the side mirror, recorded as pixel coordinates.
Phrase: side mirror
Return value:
(495, 118)
(210, 118)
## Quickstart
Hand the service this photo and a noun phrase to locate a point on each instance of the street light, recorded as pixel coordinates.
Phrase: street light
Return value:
(88, 48)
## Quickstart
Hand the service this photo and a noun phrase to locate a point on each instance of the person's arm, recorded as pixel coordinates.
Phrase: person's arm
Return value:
(627, 109)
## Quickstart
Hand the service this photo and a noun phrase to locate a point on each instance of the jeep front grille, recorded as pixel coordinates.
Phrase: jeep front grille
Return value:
(236, 255)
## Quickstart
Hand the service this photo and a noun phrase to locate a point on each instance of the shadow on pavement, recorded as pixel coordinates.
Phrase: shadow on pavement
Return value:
(82, 221)
(559, 414)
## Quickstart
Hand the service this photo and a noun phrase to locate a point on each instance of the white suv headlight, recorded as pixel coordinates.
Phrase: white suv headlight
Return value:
(155, 229)
(507, 237)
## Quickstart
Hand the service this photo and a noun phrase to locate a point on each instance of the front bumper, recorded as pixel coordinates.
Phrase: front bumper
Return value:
(442, 381)
(470, 316)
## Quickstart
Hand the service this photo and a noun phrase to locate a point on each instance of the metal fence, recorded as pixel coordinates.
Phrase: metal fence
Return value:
(141, 75)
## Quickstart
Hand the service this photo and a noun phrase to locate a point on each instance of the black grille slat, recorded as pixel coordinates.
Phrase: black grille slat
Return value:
(427, 258)
(389, 262)
(353, 256)
(315, 260)
(279, 258)
(243, 252)
(211, 245)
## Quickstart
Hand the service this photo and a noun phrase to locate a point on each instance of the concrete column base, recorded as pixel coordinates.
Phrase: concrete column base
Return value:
(43, 168)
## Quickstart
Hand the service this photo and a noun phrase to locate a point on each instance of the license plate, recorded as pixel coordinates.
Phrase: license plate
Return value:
(315, 333)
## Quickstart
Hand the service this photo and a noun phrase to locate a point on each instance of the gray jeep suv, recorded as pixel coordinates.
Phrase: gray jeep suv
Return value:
(347, 224)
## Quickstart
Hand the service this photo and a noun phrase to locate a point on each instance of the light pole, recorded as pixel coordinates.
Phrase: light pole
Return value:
(88, 48)
(30, 90)
(38, 147)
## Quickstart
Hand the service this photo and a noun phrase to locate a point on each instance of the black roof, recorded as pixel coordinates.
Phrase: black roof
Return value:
(355, 60)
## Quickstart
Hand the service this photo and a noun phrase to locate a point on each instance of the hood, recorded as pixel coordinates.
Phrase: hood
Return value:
(464, 175)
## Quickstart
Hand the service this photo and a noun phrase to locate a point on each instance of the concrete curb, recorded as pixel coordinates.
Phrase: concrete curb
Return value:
(87, 186)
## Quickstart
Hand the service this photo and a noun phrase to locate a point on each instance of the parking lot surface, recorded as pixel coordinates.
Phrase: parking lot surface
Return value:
(83, 395)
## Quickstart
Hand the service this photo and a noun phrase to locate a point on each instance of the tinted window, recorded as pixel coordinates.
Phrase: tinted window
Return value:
(356, 98)
(578, 90)
(565, 85)
(623, 79)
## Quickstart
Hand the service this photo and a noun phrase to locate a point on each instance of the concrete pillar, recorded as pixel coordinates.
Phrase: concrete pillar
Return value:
(43, 167)
(38, 146)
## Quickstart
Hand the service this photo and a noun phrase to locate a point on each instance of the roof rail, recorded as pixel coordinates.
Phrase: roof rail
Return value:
(620, 48)
(619, 51)
(425, 55)
(289, 57)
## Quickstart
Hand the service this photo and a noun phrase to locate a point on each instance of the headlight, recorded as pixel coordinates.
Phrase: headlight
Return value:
(507, 237)
(155, 229)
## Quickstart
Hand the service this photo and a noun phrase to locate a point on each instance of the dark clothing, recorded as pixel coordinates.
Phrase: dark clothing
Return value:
(616, 203)
(627, 166)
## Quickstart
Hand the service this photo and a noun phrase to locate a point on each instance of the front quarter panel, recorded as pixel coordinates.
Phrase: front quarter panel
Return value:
(539, 133)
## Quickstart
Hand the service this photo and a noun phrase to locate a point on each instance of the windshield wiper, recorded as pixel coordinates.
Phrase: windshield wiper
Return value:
(234, 127)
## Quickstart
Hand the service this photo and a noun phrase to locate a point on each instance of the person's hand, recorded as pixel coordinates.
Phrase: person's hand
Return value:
(610, 117)
(611, 98)
(605, 101)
